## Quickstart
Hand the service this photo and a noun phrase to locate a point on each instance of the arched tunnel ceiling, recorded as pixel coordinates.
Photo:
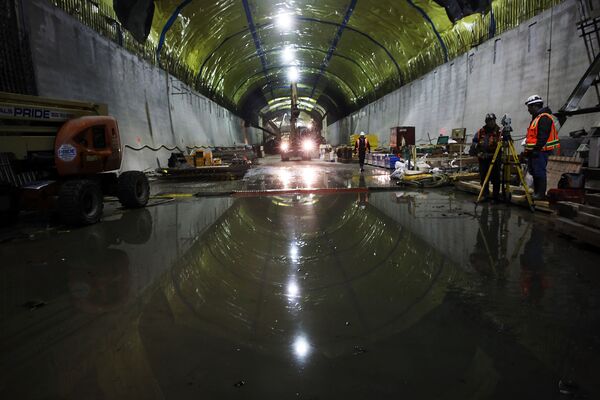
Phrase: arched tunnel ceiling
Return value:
(347, 52)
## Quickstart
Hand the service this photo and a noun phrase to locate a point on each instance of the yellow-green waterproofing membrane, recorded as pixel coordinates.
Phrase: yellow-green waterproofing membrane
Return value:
(347, 52)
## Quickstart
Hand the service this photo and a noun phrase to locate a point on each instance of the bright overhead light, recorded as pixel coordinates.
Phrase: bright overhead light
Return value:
(293, 74)
(284, 21)
(288, 54)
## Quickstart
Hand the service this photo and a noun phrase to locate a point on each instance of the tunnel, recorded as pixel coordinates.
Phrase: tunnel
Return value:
(290, 199)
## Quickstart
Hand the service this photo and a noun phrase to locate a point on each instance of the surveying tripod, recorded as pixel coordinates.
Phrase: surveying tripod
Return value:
(508, 159)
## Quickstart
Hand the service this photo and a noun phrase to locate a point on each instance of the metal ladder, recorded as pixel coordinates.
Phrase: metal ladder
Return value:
(589, 30)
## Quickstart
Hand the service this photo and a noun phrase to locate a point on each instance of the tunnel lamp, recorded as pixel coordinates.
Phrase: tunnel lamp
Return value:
(284, 21)
(285, 146)
(288, 55)
(293, 74)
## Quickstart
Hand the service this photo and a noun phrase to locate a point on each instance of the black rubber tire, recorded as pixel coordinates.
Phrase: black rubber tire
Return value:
(133, 189)
(80, 202)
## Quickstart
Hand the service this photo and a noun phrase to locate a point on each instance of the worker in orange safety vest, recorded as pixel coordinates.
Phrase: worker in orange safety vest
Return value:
(541, 142)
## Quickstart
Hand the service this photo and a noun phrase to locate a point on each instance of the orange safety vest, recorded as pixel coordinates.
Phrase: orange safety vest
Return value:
(357, 144)
(493, 140)
(532, 134)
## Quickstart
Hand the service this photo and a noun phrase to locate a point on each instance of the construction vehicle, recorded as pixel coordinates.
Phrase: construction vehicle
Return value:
(62, 155)
(294, 144)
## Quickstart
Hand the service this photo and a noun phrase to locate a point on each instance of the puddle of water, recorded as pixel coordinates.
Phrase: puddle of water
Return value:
(341, 296)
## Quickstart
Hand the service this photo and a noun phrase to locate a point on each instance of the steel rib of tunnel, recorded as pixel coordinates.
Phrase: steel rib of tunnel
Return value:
(282, 67)
(168, 24)
(253, 322)
(302, 92)
(433, 28)
(259, 49)
(306, 19)
(277, 50)
(334, 43)
(182, 33)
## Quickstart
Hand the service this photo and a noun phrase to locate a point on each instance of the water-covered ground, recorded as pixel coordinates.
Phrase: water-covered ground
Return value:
(399, 294)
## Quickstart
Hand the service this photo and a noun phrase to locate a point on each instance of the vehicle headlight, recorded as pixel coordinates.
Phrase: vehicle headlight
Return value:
(307, 145)
(285, 146)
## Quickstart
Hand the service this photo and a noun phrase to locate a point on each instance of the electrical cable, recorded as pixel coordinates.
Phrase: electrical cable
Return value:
(162, 146)
(431, 181)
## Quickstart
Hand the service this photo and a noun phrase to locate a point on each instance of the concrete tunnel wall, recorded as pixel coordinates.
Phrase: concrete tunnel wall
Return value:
(72, 61)
(496, 76)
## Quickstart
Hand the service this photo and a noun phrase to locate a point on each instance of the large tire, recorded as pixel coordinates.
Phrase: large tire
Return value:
(133, 189)
(80, 202)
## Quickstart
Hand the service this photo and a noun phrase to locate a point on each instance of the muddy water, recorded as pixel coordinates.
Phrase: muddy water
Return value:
(390, 295)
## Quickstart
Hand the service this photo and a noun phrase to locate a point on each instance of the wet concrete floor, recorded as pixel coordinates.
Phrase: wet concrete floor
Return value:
(400, 294)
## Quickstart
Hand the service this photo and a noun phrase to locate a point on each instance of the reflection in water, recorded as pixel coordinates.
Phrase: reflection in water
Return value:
(489, 255)
(99, 277)
(301, 348)
(533, 279)
(285, 177)
(319, 298)
(293, 290)
(294, 252)
(303, 177)
(309, 176)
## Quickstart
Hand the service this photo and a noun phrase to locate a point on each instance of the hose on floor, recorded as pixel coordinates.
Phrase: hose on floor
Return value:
(427, 181)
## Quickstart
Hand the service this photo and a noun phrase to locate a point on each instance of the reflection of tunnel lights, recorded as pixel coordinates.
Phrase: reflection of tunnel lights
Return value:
(293, 74)
(294, 253)
(309, 177)
(301, 347)
(285, 146)
(285, 177)
(292, 289)
(381, 178)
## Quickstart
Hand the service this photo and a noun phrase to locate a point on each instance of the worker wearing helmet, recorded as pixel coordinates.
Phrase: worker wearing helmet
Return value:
(540, 143)
(361, 147)
(484, 145)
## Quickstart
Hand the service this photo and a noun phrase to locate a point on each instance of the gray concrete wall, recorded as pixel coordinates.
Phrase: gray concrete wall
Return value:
(72, 61)
(496, 76)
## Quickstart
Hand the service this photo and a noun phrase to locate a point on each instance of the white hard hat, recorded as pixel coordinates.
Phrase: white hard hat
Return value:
(362, 134)
(534, 99)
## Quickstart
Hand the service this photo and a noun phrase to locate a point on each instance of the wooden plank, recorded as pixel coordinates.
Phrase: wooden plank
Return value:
(578, 231)
(474, 187)
(593, 199)
(558, 165)
(566, 209)
(589, 209)
(588, 219)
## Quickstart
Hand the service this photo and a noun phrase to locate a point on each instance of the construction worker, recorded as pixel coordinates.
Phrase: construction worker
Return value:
(540, 142)
(362, 146)
(484, 145)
